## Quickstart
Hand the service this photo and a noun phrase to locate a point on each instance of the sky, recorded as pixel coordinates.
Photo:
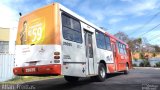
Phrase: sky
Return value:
(136, 18)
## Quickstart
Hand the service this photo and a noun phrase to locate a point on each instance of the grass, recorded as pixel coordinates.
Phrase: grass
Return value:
(23, 79)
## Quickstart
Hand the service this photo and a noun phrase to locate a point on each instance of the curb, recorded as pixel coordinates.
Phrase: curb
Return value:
(146, 68)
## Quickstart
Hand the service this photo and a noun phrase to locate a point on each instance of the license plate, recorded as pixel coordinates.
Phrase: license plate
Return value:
(30, 69)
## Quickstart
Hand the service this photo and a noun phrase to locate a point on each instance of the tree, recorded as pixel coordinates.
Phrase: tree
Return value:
(134, 44)
(137, 44)
(141, 55)
(154, 55)
(139, 40)
(122, 36)
(157, 48)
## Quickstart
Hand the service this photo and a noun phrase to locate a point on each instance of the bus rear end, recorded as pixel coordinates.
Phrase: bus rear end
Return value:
(38, 49)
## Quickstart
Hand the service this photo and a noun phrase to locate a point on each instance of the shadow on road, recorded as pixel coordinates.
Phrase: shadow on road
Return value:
(61, 84)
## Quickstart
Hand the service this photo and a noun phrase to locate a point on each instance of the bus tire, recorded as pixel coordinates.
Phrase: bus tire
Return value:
(127, 69)
(101, 73)
(71, 79)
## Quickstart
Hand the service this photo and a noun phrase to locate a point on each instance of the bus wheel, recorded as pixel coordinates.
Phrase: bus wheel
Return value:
(127, 69)
(101, 73)
(71, 79)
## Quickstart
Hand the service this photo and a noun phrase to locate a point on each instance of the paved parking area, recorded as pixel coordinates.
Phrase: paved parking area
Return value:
(137, 79)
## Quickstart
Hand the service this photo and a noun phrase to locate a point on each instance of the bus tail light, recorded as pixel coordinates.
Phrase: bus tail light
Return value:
(56, 57)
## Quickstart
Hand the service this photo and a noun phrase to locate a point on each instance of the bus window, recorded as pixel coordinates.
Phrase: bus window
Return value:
(71, 29)
(100, 38)
(66, 21)
(108, 43)
(122, 48)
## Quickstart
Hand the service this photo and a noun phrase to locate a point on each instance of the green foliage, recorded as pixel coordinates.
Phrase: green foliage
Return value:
(158, 64)
(157, 48)
(134, 65)
(145, 63)
(154, 55)
(139, 40)
(135, 59)
(141, 55)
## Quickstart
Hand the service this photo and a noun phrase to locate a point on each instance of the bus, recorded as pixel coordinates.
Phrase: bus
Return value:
(54, 40)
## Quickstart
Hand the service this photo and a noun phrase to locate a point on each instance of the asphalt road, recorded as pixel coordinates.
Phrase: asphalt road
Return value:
(137, 79)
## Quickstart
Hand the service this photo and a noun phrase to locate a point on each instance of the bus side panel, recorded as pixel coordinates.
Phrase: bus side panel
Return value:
(73, 56)
(111, 68)
(107, 56)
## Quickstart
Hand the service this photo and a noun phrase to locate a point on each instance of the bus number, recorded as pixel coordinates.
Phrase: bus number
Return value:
(67, 43)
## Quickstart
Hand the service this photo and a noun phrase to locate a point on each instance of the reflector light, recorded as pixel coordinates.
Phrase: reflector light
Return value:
(56, 61)
(15, 70)
(56, 53)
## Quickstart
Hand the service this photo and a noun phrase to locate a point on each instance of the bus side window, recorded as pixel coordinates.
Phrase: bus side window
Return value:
(100, 39)
(108, 43)
(124, 49)
(71, 28)
(118, 45)
(121, 48)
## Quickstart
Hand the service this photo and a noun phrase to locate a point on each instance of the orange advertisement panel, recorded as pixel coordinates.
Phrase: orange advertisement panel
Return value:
(40, 27)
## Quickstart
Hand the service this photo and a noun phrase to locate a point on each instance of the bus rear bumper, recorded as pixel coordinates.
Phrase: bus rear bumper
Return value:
(53, 69)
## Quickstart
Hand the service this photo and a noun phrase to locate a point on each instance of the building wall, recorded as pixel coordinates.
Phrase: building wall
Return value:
(7, 45)
(4, 34)
(4, 40)
(6, 67)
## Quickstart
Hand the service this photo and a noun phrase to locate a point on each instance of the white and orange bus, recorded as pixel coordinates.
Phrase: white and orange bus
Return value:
(53, 40)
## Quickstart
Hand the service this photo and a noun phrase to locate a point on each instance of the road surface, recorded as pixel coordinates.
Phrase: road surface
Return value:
(137, 79)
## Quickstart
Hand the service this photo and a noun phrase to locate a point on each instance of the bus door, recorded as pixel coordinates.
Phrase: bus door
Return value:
(114, 55)
(89, 51)
(121, 56)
